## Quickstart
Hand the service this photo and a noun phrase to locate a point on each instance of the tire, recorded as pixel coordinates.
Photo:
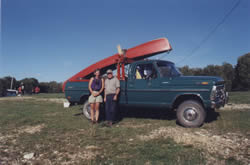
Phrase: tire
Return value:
(86, 109)
(191, 114)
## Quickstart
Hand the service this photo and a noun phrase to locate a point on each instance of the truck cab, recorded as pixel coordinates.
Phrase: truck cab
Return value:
(147, 83)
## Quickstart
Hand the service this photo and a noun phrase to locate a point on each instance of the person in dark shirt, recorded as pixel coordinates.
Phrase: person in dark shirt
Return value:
(96, 86)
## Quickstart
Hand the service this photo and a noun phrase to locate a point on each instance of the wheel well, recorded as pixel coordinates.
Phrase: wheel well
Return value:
(186, 97)
(83, 99)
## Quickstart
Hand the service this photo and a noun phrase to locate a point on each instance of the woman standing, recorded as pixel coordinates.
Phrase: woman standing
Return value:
(96, 86)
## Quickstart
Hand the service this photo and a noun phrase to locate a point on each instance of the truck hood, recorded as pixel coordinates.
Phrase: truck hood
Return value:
(211, 80)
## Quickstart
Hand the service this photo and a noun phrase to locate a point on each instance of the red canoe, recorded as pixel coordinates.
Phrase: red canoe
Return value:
(139, 52)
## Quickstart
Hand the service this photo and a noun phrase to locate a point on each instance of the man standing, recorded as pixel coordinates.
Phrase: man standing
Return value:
(22, 88)
(111, 92)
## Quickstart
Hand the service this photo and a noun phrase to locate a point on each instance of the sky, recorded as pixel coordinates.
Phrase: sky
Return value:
(52, 40)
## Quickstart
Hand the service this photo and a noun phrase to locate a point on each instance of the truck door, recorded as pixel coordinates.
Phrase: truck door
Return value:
(142, 85)
(169, 88)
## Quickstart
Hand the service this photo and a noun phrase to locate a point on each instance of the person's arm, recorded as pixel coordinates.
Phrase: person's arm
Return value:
(105, 96)
(90, 89)
(116, 93)
(104, 91)
(117, 89)
(102, 87)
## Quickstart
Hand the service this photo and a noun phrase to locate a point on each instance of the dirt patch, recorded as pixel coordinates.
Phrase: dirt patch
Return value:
(76, 156)
(92, 147)
(18, 131)
(31, 129)
(55, 100)
(21, 98)
(131, 125)
(9, 153)
(227, 146)
(236, 107)
(15, 98)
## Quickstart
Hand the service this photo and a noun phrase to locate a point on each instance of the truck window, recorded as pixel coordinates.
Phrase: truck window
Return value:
(145, 71)
(167, 69)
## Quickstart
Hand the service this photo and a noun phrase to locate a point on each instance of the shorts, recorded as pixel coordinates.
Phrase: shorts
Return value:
(97, 99)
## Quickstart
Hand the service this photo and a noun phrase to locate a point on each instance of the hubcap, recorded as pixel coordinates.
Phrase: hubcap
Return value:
(190, 114)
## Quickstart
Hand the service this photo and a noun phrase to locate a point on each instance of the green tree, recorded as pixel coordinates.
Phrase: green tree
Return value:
(44, 87)
(2, 87)
(242, 72)
(186, 71)
(212, 70)
(55, 87)
(197, 72)
(50, 87)
(29, 84)
(227, 71)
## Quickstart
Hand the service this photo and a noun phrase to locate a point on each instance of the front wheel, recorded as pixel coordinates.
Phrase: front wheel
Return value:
(86, 109)
(191, 114)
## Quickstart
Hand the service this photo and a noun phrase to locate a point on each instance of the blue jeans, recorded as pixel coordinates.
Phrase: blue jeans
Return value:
(110, 107)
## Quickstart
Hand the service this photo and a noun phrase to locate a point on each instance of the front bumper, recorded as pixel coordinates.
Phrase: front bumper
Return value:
(220, 101)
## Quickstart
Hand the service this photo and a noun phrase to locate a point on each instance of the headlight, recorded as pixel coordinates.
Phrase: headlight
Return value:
(213, 93)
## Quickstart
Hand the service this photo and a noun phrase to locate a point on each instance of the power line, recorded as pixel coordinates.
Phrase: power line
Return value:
(211, 32)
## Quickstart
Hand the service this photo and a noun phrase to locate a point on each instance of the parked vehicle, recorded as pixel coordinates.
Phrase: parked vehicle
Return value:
(159, 84)
(11, 92)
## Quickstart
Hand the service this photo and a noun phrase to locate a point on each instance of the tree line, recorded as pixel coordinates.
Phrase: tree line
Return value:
(29, 85)
(237, 77)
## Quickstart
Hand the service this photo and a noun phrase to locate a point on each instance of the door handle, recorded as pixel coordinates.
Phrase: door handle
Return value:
(165, 82)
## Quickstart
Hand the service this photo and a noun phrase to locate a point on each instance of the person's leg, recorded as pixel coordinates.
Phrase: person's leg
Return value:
(113, 110)
(107, 108)
(92, 106)
(97, 105)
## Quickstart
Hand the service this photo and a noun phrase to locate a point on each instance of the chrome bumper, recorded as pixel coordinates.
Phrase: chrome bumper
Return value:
(220, 102)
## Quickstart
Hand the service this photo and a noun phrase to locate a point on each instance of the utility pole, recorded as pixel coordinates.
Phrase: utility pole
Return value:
(11, 83)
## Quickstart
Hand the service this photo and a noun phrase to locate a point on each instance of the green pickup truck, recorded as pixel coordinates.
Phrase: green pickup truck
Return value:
(159, 84)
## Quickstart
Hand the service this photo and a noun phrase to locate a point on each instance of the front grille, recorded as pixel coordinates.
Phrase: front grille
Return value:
(220, 93)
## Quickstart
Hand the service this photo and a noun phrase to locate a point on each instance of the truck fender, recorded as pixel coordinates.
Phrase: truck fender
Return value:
(83, 98)
(187, 96)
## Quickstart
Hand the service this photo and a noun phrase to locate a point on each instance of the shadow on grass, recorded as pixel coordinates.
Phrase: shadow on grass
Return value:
(146, 113)
(149, 113)
(78, 114)
(161, 114)
(211, 116)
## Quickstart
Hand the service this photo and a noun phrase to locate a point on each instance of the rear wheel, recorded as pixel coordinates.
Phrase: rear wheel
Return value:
(86, 109)
(191, 114)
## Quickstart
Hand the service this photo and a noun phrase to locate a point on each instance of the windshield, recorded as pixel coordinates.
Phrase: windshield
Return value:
(167, 69)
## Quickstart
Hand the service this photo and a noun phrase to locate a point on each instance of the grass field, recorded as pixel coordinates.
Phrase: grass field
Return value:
(240, 97)
(63, 136)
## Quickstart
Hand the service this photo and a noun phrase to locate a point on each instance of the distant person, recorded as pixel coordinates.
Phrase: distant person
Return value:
(111, 92)
(37, 90)
(96, 86)
(20, 90)
(22, 86)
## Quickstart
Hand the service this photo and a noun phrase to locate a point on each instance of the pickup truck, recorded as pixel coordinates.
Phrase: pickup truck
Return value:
(159, 84)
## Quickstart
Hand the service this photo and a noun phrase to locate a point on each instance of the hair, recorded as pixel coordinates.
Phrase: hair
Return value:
(97, 70)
